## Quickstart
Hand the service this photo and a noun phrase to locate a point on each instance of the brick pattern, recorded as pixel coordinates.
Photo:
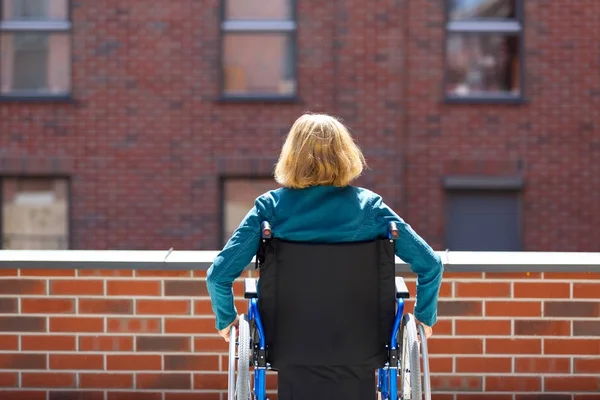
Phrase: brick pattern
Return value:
(111, 335)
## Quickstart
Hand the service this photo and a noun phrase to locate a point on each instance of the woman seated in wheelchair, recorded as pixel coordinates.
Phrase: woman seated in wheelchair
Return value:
(317, 203)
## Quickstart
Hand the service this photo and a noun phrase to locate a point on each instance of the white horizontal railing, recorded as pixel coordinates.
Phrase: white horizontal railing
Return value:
(457, 261)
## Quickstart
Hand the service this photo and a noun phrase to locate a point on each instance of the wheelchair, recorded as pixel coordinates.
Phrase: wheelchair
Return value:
(289, 300)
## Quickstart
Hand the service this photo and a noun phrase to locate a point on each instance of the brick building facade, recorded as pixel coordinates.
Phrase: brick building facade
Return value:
(130, 126)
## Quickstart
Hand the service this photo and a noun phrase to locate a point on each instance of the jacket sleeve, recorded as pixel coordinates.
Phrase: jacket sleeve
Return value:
(231, 261)
(424, 262)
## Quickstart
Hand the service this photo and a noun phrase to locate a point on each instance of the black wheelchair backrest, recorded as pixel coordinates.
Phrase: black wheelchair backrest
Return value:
(327, 304)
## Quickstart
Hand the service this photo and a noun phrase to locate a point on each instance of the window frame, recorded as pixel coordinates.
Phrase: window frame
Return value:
(486, 27)
(68, 182)
(241, 27)
(47, 27)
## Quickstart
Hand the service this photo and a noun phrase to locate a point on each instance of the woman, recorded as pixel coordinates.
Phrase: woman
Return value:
(317, 203)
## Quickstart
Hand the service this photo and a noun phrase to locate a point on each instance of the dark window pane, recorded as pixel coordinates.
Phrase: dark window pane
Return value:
(259, 9)
(482, 221)
(239, 199)
(259, 63)
(482, 64)
(26, 10)
(35, 214)
(35, 63)
(482, 9)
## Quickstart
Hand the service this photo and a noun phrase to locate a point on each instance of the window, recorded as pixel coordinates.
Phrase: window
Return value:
(35, 214)
(239, 196)
(258, 55)
(35, 48)
(483, 220)
(484, 50)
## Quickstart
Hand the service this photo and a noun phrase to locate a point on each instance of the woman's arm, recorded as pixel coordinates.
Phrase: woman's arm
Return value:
(424, 262)
(231, 261)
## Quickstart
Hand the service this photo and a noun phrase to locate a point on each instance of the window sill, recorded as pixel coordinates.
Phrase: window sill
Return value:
(474, 100)
(19, 98)
(227, 98)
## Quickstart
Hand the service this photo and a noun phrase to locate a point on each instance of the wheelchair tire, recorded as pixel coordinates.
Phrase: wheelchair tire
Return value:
(425, 357)
(410, 365)
(242, 389)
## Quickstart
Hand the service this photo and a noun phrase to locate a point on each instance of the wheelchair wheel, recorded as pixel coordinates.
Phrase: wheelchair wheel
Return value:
(239, 387)
(410, 367)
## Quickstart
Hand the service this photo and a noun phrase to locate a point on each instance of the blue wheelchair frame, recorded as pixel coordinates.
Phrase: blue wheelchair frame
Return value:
(387, 382)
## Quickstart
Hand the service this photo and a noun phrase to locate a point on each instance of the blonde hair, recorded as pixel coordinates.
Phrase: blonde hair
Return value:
(318, 150)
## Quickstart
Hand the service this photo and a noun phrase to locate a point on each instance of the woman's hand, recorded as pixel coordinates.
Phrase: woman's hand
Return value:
(428, 330)
(224, 333)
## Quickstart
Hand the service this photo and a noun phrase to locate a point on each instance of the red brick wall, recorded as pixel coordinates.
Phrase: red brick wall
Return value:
(146, 139)
(81, 334)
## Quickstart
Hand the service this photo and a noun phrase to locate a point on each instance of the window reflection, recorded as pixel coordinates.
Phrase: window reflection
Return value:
(479, 9)
(480, 63)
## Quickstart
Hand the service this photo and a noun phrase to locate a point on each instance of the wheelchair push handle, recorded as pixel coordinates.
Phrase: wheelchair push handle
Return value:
(265, 230)
(393, 231)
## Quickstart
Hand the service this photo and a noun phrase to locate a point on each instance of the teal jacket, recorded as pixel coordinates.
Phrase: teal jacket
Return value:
(323, 214)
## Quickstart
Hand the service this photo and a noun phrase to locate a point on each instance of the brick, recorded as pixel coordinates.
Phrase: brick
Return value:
(572, 346)
(444, 383)
(105, 306)
(105, 381)
(134, 396)
(22, 324)
(105, 343)
(586, 290)
(482, 289)
(19, 361)
(195, 396)
(22, 286)
(24, 394)
(166, 344)
(443, 327)
(47, 272)
(587, 365)
(542, 328)
(48, 343)
(76, 395)
(483, 327)
(132, 288)
(163, 307)
(541, 290)
(191, 362)
(571, 309)
(186, 288)
(513, 346)
(134, 325)
(48, 379)
(483, 364)
(513, 308)
(105, 273)
(545, 396)
(511, 276)
(569, 276)
(9, 342)
(482, 396)
(513, 383)
(8, 305)
(460, 308)
(77, 361)
(75, 287)
(210, 344)
(454, 346)
(133, 362)
(210, 381)
(9, 272)
(170, 381)
(190, 325)
(545, 365)
(47, 306)
(204, 307)
(572, 384)
(586, 328)
(76, 324)
(9, 379)
(436, 364)
(163, 274)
